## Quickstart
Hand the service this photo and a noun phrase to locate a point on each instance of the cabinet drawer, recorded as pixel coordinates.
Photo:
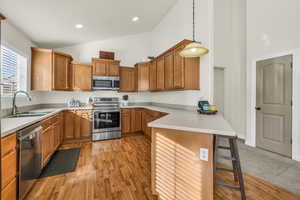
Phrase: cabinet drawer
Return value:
(46, 123)
(10, 191)
(9, 168)
(8, 144)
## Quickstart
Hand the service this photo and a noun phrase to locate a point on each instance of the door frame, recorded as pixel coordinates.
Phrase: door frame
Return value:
(251, 100)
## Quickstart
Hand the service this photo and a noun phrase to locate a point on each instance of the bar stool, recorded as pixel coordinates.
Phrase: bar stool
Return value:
(236, 165)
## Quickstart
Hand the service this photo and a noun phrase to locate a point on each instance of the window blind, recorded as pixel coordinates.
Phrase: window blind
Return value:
(9, 71)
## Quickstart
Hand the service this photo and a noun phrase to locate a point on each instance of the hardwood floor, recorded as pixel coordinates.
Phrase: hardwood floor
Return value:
(120, 169)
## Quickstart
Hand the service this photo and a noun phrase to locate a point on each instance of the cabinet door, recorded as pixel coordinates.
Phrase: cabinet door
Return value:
(136, 120)
(113, 68)
(86, 124)
(82, 77)
(9, 168)
(152, 76)
(126, 120)
(160, 67)
(143, 76)
(77, 124)
(178, 69)
(99, 67)
(61, 72)
(10, 191)
(127, 79)
(169, 71)
(69, 125)
(47, 143)
(56, 136)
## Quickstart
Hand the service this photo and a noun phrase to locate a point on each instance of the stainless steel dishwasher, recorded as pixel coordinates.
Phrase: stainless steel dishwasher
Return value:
(29, 158)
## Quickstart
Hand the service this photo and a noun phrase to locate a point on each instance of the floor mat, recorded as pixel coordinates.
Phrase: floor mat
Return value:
(63, 161)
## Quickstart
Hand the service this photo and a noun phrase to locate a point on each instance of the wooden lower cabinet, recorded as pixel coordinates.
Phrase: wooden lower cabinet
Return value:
(9, 168)
(137, 119)
(50, 137)
(77, 125)
(126, 121)
(10, 191)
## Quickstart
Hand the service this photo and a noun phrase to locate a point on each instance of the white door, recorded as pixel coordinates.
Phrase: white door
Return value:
(274, 105)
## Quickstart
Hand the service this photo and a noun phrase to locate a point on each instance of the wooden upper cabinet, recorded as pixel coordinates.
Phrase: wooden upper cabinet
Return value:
(152, 76)
(143, 76)
(99, 67)
(82, 76)
(50, 70)
(113, 68)
(105, 67)
(61, 72)
(128, 79)
(178, 69)
(160, 78)
(169, 70)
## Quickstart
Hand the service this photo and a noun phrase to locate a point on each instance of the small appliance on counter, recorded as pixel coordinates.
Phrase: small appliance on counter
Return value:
(206, 108)
(125, 100)
(72, 103)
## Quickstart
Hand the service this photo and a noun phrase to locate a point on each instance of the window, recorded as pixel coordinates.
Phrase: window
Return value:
(13, 71)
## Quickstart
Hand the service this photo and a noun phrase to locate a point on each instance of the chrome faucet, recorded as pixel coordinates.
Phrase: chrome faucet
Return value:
(14, 107)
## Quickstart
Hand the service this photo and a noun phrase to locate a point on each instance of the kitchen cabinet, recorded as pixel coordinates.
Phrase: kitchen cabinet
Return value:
(136, 119)
(10, 191)
(125, 120)
(81, 76)
(143, 76)
(77, 126)
(47, 145)
(152, 76)
(178, 73)
(160, 67)
(9, 168)
(105, 67)
(50, 137)
(169, 71)
(128, 79)
(50, 70)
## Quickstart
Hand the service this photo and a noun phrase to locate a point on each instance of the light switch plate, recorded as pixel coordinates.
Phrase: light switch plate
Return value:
(204, 154)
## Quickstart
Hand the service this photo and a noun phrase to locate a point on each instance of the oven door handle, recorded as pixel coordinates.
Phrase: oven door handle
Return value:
(104, 120)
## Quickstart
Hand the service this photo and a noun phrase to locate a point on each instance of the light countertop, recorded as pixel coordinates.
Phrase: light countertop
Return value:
(184, 120)
(11, 125)
(176, 119)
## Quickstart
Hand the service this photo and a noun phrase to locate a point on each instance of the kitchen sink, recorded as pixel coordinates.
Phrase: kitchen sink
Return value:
(29, 114)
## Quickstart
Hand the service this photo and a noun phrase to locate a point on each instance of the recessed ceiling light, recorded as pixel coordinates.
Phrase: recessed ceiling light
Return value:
(79, 26)
(135, 19)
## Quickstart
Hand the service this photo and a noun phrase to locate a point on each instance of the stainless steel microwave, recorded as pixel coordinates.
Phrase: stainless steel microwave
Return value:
(106, 82)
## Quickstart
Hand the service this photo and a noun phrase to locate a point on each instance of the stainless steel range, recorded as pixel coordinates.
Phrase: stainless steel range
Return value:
(106, 118)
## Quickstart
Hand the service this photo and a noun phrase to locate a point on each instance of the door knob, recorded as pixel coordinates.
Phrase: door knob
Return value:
(257, 108)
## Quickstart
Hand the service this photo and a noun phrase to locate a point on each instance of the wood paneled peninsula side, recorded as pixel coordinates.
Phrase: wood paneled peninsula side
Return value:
(176, 141)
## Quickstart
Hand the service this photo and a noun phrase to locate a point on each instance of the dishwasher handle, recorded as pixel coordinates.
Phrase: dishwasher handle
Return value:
(30, 135)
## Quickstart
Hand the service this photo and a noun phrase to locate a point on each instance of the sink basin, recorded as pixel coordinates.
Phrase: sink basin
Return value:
(29, 114)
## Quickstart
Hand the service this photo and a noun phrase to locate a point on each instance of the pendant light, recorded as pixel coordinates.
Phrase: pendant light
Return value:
(194, 49)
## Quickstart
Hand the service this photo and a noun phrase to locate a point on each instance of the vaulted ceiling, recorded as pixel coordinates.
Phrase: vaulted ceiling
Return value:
(51, 23)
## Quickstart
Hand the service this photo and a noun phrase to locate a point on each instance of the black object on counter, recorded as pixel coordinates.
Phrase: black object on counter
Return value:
(125, 97)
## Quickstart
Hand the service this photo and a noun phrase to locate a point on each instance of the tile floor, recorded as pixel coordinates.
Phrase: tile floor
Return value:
(274, 168)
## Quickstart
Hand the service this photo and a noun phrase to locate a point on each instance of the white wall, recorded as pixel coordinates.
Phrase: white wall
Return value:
(176, 26)
(272, 30)
(19, 42)
(230, 53)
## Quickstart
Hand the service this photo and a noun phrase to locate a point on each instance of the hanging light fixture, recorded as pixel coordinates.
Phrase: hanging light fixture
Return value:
(194, 49)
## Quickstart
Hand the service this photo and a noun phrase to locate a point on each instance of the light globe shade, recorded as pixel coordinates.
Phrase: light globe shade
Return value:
(194, 49)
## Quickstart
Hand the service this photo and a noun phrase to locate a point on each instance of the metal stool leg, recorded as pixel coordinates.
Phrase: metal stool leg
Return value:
(237, 170)
(239, 173)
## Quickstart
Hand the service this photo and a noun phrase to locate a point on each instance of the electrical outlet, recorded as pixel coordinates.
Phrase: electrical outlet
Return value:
(204, 154)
